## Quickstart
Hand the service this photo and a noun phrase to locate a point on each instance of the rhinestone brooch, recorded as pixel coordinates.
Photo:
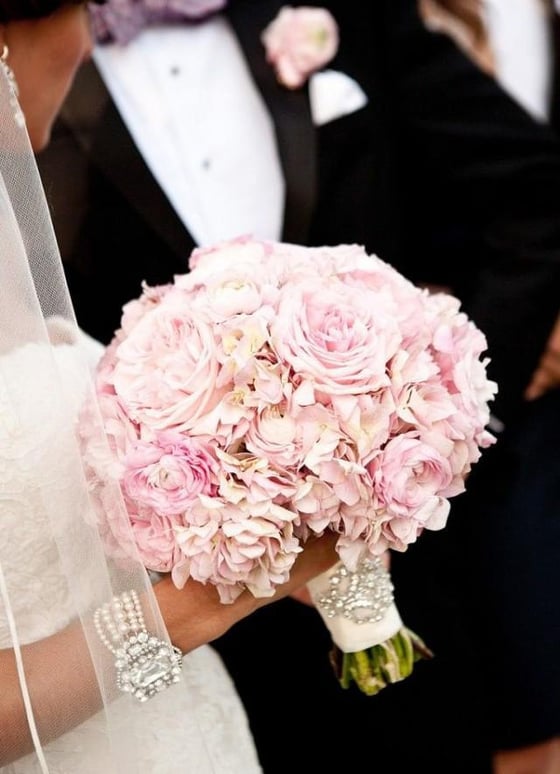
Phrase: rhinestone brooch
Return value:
(145, 664)
(363, 596)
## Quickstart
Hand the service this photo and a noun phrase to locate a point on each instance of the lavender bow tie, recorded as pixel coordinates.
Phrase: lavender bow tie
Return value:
(122, 20)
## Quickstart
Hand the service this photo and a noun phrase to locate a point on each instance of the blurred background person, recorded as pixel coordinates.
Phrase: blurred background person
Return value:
(513, 41)
(179, 134)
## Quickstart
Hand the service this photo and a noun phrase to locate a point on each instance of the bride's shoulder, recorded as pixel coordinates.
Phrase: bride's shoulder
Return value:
(41, 382)
(62, 331)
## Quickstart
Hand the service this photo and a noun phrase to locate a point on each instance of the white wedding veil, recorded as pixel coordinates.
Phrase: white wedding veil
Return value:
(49, 593)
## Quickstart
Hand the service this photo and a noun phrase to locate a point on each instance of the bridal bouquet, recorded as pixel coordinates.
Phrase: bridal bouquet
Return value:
(275, 392)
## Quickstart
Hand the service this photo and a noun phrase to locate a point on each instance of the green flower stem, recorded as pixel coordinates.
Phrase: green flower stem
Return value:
(374, 668)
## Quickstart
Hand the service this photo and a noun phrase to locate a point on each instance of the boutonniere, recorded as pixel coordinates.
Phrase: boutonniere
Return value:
(300, 41)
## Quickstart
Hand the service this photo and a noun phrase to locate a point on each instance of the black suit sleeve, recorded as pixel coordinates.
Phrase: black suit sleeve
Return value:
(466, 130)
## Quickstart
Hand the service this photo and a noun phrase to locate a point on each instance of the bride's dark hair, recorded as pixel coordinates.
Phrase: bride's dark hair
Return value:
(11, 10)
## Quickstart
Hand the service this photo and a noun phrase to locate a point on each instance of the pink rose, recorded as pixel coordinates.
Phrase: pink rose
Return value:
(300, 41)
(166, 369)
(334, 338)
(274, 435)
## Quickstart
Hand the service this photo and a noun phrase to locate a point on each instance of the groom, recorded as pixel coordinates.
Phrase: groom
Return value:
(181, 135)
(164, 152)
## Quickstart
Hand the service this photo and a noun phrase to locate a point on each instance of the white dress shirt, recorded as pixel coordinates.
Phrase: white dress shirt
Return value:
(521, 40)
(201, 127)
(192, 108)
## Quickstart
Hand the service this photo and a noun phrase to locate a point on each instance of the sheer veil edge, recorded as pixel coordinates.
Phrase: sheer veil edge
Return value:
(43, 368)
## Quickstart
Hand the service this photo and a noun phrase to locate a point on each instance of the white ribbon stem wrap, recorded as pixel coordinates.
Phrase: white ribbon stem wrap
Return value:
(357, 607)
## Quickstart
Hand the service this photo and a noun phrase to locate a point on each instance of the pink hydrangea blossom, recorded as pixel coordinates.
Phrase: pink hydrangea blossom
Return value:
(237, 546)
(275, 392)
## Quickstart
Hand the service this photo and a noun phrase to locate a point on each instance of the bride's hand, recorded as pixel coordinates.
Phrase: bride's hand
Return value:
(194, 614)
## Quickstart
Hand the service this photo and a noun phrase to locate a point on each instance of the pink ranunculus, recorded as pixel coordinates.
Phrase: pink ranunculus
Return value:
(234, 293)
(168, 473)
(409, 478)
(274, 435)
(300, 41)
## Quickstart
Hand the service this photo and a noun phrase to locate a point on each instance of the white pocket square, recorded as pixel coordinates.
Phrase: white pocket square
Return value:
(333, 95)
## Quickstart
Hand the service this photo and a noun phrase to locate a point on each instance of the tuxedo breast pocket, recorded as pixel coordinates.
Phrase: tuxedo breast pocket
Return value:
(333, 95)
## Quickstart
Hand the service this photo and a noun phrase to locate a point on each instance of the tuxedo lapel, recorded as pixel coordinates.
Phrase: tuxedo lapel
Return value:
(290, 110)
(100, 131)
(102, 135)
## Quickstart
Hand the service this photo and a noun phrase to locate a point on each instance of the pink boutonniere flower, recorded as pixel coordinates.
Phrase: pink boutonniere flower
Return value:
(300, 41)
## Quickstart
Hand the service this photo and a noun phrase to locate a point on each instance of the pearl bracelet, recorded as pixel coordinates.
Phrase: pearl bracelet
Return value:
(145, 664)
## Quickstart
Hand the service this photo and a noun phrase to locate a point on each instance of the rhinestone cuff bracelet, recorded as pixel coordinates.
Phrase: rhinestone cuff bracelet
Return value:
(363, 596)
(145, 664)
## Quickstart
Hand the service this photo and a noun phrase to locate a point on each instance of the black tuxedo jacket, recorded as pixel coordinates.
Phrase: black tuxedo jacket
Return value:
(115, 225)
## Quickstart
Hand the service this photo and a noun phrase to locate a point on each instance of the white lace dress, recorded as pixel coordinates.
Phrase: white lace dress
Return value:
(199, 727)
